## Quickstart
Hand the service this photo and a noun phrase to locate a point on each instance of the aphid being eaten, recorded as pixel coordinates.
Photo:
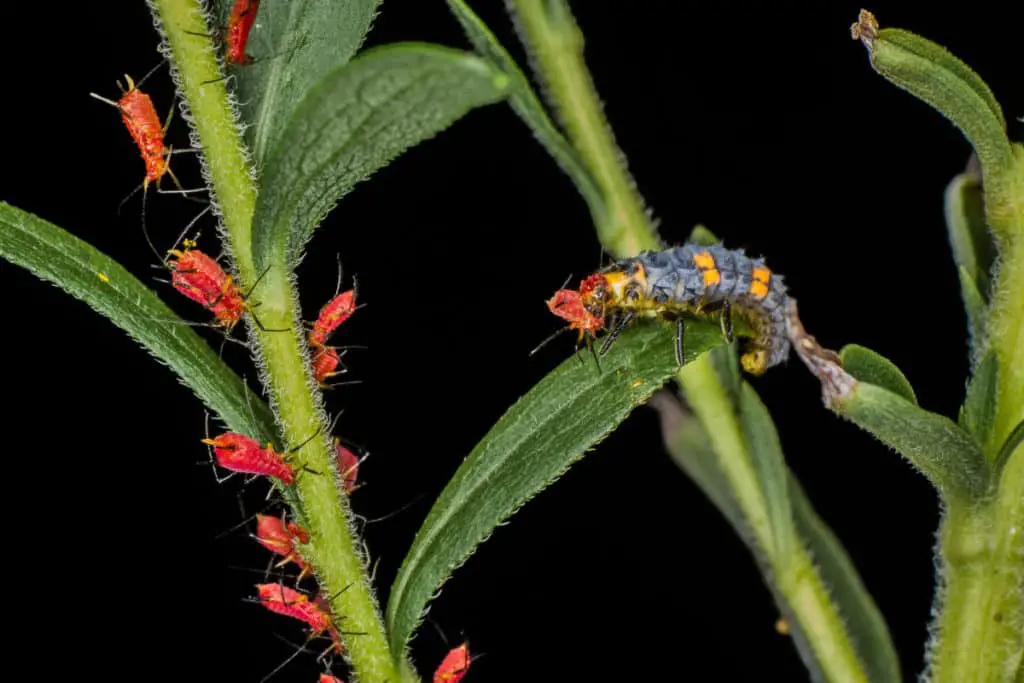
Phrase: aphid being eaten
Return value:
(283, 539)
(240, 453)
(687, 280)
(240, 23)
(454, 665)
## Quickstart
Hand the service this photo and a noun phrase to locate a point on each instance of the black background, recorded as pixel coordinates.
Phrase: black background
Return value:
(761, 120)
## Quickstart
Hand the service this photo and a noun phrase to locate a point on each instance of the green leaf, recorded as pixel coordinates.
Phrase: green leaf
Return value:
(527, 105)
(946, 454)
(977, 310)
(689, 447)
(868, 366)
(294, 46)
(979, 410)
(936, 76)
(766, 453)
(861, 616)
(703, 236)
(862, 623)
(566, 414)
(1012, 443)
(356, 121)
(973, 248)
(81, 270)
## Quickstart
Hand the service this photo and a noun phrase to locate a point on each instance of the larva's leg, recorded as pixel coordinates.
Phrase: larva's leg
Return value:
(679, 341)
(616, 331)
(727, 322)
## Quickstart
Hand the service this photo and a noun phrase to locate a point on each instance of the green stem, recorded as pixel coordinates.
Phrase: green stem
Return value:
(555, 44)
(795, 575)
(333, 551)
(979, 635)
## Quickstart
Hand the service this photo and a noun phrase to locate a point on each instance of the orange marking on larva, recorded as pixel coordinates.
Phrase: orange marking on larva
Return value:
(762, 274)
(704, 260)
(758, 289)
(711, 277)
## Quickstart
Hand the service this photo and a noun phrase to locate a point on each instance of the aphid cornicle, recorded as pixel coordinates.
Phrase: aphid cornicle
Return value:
(690, 279)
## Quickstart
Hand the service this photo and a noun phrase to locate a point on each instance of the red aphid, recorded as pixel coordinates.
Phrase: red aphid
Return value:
(568, 305)
(281, 599)
(325, 362)
(240, 22)
(454, 665)
(240, 453)
(328, 678)
(143, 123)
(348, 466)
(201, 279)
(280, 538)
(332, 315)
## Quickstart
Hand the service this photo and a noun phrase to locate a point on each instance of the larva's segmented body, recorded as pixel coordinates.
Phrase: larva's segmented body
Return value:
(690, 279)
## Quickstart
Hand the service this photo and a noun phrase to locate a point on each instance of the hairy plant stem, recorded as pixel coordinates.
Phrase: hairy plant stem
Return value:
(795, 576)
(333, 552)
(555, 44)
(979, 632)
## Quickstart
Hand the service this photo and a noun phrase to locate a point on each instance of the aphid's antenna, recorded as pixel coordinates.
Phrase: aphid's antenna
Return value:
(284, 663)
(337, 286)
(209, 450)
(566, 283)
(437, 627)
(146, 77)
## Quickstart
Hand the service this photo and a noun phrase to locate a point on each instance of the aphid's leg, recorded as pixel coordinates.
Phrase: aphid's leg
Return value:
(264, 328)
(679, 341)
(177, 183)
(616, 331)
(727, 322)
(593, 351)
(547, 340)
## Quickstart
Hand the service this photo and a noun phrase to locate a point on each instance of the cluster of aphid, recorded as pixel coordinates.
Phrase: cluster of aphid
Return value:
(202, 279)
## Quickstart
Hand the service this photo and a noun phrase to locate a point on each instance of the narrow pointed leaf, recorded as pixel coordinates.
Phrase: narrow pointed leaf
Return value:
(294, 45)
(863, 628)
(973, 247)
(701, 235)
(873, 368)
(81, 270)
(946, 454)
(356, 121)
(936, 76)
(566, 414)
(979, 409)
(860, 614)
(977, 310)
(527, 105)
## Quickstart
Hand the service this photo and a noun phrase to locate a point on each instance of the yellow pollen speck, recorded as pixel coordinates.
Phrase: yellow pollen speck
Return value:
(782, 626)
(711, 277)
(637, 383)
(103, 276)
(704, 260)
(758, 289)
